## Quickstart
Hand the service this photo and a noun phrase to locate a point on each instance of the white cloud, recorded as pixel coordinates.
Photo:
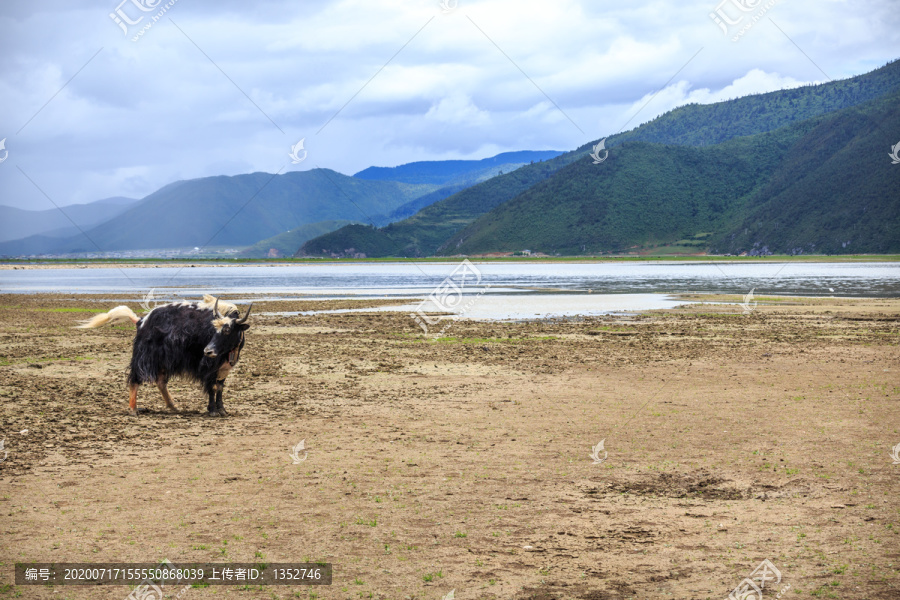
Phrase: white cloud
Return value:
(405, 82)
(458, 109)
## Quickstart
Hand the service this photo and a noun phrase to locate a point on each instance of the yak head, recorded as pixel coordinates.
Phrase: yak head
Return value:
(229, 336)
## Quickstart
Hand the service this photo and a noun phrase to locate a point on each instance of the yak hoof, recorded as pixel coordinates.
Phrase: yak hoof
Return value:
(215, 413)
(137, 411)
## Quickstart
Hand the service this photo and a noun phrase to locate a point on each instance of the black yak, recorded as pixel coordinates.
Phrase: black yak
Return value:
(194, 340)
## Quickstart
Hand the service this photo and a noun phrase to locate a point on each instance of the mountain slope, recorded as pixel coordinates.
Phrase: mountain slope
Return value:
(349, 242)
(453, 171)
(692, 125)
(422, 233)
(273, 204)
(456, 185)
(413, 206)
(16, 223)
(238, 210)
(707, 124)
(810, 186)
(287, 243)
(243, 209)
(836, 192)
(643, 193)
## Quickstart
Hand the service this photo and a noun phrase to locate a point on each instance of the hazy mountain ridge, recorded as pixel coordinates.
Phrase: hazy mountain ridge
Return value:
(444, 172)
(244, 210)
(235, 211)
(16, 223)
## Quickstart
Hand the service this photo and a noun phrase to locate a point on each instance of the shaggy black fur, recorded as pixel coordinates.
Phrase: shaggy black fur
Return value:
(181, 341)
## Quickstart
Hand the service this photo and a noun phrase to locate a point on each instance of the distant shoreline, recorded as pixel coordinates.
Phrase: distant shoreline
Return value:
(149, 263)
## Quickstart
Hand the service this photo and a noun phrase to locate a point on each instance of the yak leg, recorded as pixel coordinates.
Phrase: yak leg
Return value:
(132, 399)
(220, 405)
(219, 408)
(211, 407)
(161, 381)
(215, 407)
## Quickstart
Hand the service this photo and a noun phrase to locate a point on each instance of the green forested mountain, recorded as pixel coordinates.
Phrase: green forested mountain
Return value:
(707, 124)
(695, 174)
(643, 193)
(287, 243)
(422, 233)
(355, 241)
(836, 191)
(455, 185)
(808, 187)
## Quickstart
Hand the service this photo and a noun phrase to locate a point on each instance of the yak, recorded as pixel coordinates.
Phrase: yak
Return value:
(193, 340)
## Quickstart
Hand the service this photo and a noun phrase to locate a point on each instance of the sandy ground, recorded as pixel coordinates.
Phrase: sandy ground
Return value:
(463, 463)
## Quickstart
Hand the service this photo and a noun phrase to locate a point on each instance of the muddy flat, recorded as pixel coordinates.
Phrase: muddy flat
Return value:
(470, 463)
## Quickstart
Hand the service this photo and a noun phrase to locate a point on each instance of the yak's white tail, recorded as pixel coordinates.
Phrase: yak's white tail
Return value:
(119, 313)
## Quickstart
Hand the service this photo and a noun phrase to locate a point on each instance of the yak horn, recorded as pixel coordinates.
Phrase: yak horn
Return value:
(216, 309)
(244, 320)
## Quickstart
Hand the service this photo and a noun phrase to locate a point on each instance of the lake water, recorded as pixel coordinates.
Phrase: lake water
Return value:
(502, 290)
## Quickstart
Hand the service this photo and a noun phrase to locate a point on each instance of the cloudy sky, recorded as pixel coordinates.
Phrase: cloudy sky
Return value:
(93, 108)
